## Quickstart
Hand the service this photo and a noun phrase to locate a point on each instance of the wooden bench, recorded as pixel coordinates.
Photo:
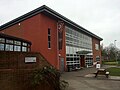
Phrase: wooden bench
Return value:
(101, 72)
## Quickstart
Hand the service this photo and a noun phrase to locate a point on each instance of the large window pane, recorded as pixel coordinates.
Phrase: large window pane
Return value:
(8, 47)
(67, 49)
(78, 39)
(24, 49)
(17, 48)
(2, 47)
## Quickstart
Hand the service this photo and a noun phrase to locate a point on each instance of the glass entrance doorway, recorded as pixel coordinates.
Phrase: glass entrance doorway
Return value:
(82, 60)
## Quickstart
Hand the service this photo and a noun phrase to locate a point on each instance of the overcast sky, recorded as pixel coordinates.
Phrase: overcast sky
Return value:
(101, 17)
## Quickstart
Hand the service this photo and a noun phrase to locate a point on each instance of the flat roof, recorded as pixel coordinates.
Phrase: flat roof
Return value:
(48, 11)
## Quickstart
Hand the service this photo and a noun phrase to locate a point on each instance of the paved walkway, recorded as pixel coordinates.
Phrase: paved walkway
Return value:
(82, 80)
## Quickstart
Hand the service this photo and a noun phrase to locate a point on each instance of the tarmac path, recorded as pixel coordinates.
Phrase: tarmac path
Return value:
(78, 81)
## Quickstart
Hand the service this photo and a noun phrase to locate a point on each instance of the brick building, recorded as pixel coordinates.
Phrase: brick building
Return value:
(61, 41)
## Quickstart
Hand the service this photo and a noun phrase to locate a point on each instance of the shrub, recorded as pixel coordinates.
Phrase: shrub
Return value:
(48, 76)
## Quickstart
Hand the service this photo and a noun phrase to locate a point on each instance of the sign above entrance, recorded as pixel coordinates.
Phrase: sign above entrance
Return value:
(83, 52)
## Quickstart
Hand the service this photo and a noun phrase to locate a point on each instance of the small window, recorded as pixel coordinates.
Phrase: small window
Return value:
(49, 46)
(17, 42)
(97, 58)
(28, 45)
(24, 44)
(9, 41)
(2, 40)
(96, 46)
(48, 31)
(28, 49)
(24, 49)
(49, 38)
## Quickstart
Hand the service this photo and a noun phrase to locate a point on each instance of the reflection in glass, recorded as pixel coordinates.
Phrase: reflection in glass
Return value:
(9, 47)
(17, 48)
(2, 47)
(24, 49)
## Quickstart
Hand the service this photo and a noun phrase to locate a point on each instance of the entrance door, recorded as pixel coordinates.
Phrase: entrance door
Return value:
(82, 60)
(62, 64)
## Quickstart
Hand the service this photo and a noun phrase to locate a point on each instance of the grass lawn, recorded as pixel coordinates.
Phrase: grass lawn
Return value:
(110, 63)
(114, 71)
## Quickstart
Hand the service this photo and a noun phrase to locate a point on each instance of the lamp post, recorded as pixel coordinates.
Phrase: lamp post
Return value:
(115, 50)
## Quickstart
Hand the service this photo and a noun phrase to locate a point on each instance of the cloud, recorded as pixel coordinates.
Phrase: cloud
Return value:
(101, 17)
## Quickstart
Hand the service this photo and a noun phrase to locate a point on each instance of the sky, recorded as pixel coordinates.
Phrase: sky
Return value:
(101, 17)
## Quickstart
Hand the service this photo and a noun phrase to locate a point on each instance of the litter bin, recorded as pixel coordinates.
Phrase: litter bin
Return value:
(69, 68)
(97, 66)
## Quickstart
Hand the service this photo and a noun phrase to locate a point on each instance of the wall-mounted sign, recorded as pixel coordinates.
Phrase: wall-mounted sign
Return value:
(30, 59)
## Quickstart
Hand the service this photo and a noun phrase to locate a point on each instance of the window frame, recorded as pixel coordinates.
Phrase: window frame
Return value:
(49, 38)
(11, 44)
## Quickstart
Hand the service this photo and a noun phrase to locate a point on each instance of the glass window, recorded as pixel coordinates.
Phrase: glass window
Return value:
(15, 45)
(8, 47)
(24, 44)
(9, 41)
(49, 38)
(97, 58)
(1, 46)
(11, 47)
(28, 49)
(70, 31)
(49, 46)
(96, 46)
(67, 30)
(28, 45)
(17, 42)
(17, 48)
(67, 49)
(24, 49)
(2, 40)
(70, 50)
(77, 39)
(48, 31)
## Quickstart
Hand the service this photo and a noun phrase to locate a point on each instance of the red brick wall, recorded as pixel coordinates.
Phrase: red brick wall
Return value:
(96, 52)
(16, 60)
(14, 30)
(15, 74)
(21, 80)
(35, 29)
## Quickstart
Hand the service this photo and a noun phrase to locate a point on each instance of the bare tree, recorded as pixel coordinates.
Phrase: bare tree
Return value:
(110, 52)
